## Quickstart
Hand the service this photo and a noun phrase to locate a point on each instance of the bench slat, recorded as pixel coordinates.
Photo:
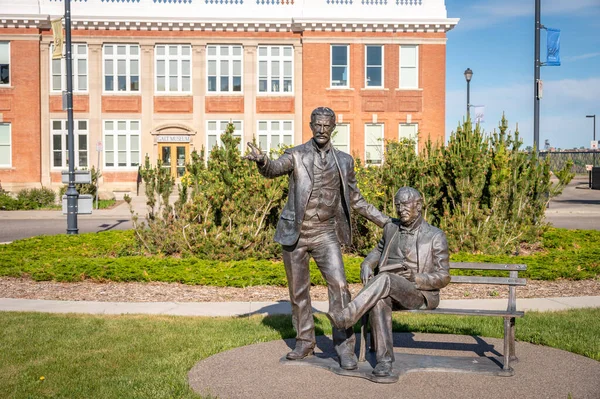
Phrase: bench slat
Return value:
(487, 266)
(470, 312)
(488, 280)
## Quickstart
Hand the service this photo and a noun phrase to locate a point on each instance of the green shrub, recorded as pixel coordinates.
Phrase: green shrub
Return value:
(27, 199)
(483, 190)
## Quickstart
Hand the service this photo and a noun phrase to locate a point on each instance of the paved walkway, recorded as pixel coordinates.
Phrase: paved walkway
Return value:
(264, 308)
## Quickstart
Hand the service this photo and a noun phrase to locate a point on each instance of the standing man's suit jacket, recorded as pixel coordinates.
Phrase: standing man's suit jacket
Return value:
(298, 163)
(431, 253)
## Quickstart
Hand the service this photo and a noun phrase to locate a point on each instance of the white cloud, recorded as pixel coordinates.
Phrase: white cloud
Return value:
(562, 109)
(581, 56)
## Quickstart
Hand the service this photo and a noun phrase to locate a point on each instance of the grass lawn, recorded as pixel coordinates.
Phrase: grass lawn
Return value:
(114, 255)
(81, 356)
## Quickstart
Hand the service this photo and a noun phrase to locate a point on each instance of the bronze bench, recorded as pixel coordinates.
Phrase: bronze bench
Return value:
(509, 315)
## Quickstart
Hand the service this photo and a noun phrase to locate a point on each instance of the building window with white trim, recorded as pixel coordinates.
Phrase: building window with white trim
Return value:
(173, 68)
(409, 67)
(214, 130)
(374, 66)
(5, 145)
(79, 53)
(224, 68)
(409, 131)
(373, 143)
(275, 69)
(60, 148)
(121, 63)
(273, 134)
(341, 137)
(340, 63)
(4, 63)
(121, 143)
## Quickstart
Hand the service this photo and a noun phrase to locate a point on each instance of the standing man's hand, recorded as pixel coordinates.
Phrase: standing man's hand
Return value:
(365, 273)
(256, 155)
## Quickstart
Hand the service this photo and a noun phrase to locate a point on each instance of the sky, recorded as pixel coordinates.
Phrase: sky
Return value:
(495, 38)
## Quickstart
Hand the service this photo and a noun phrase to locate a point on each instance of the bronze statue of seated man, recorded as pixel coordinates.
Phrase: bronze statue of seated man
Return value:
(410, 263)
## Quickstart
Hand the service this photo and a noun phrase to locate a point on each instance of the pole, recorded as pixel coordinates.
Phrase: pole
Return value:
(468, 99)
(536, 79)
(72, 194)
(595, 139)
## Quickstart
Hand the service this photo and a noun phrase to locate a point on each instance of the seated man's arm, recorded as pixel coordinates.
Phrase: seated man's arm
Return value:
(370, 262)
(439, 277)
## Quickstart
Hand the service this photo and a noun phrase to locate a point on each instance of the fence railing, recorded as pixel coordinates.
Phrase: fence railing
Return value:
(580, 159)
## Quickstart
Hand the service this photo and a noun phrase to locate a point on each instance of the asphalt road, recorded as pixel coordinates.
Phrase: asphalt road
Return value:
(14, 229)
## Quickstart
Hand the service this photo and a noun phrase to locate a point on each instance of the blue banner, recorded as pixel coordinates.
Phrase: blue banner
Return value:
(553, 45)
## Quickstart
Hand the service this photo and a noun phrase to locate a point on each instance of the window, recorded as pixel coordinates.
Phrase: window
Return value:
(60, 148)
(373, 143)
(5, 145)
(409, 67)
(79, 55)
(4, 63)
(224, 68)
(174, 68)
(121, 67)
(275, 69)
(340, 61)
(409, 131)
(374, 66)
(341, 138)
(121, 143)
(215, 129)
(273, 134)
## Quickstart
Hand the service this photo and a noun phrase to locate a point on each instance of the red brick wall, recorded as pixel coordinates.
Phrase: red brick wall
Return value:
(21, 108)
(357, 105)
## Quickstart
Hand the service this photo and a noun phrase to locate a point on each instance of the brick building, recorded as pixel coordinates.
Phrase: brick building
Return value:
(163, 77)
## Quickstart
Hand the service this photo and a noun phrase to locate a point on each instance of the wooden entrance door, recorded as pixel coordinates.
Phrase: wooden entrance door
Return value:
(173, 157)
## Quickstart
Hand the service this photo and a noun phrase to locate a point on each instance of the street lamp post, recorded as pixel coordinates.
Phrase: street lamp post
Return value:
(468, 76)
(594, 117)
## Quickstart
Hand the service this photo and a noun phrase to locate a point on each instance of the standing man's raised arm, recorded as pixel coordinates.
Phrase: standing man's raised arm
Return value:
(269, 168)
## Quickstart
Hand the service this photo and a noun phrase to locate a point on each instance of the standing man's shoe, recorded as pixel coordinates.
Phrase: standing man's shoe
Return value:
(383, 369)
(302, 350)
(348, 361)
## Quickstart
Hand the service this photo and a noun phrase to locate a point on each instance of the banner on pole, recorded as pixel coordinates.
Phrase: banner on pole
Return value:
(59, 41)
(479, 111)
(553, 47)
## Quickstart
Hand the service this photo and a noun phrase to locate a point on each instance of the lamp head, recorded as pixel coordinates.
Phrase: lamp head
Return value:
(468, 74)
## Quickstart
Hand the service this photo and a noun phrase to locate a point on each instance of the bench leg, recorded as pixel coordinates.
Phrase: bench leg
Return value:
(507, 343)
(513, 356)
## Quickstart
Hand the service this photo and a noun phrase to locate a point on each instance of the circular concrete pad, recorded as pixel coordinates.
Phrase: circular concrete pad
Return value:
(255, 371)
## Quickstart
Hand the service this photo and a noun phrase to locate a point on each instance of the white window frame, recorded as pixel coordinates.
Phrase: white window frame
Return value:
(372, 146)
(63, 133)
(416, 133)
(179, 58)
(76, 70)
(9, 145)
(231, 59)
(345, 147)
(269, 59)
(218, 132)
(382, 66)
(270, 132)
(115, 132)
(331, 66)
(9, 68)
(115, 58)
(415, 67)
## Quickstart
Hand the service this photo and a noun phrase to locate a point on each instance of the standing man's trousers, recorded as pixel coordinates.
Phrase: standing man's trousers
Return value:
(319, 240)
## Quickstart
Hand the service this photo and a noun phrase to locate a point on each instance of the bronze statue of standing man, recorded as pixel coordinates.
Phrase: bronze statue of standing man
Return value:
(315, 222)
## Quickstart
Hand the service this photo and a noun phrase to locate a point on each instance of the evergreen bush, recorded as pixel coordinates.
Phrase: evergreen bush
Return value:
(483, 190)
